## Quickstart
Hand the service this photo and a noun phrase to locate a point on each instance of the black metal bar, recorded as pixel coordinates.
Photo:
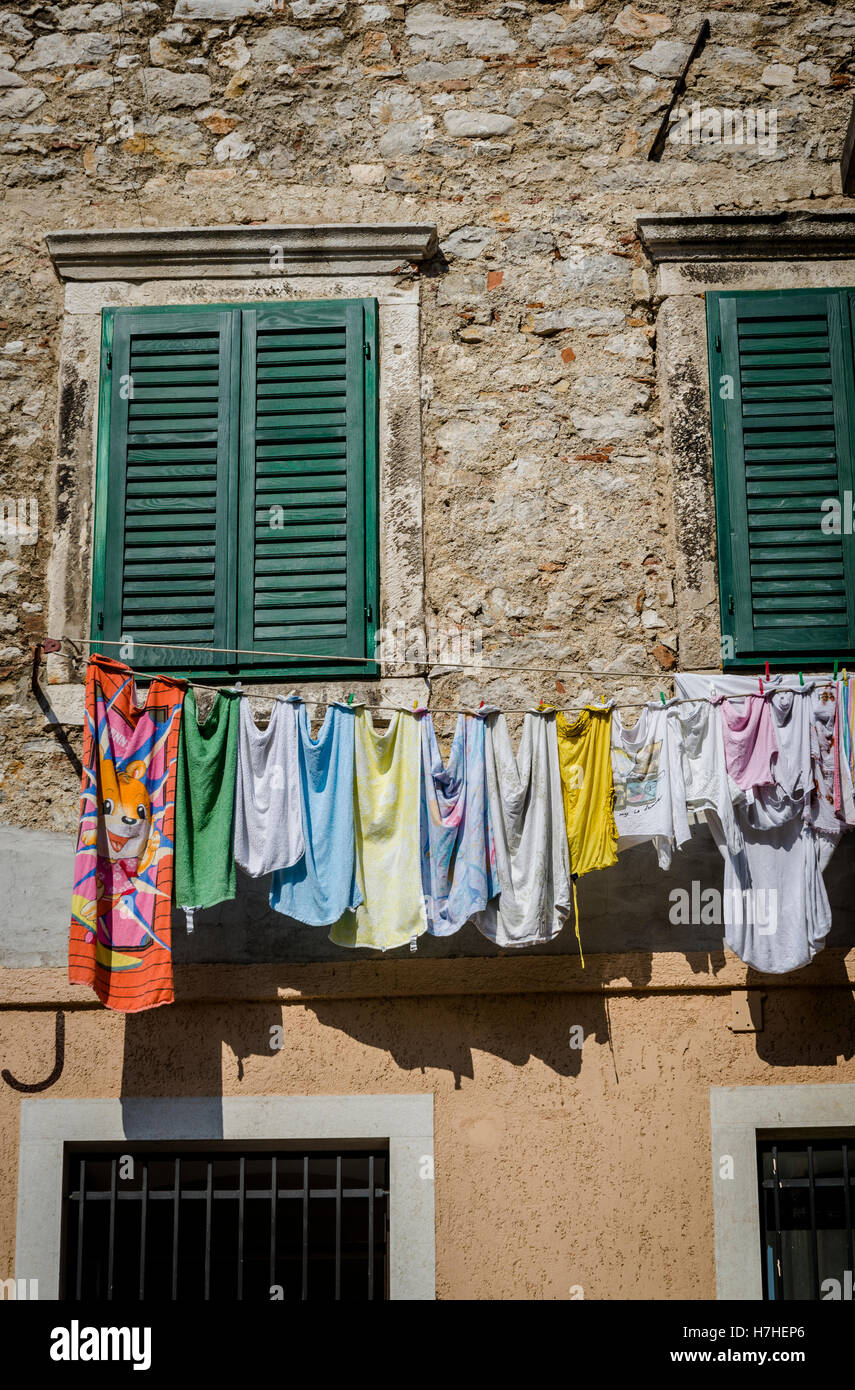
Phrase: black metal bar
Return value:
(111, 1248)
(658, 146)
(371, 1226)
(143, 1226)
(241, 1210)
(338, 1226)
(176, 1204)
(209, 1211)
(305, 1251)
(81, 1211)
(273, 1202)
(778, 1277)
(813, 1237)
(847, 1205)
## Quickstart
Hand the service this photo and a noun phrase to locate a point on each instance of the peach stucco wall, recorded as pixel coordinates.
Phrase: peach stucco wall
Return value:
(555, 1167)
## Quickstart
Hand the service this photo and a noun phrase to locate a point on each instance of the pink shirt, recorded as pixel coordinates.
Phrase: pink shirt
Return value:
(750, 743)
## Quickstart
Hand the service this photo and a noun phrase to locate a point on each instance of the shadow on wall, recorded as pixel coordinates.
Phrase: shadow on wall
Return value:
(184, 1050)
(633, 907)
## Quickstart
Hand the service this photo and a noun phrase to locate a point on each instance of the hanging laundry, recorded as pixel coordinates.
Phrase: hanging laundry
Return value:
(322, 885)
(787, 797)
(776, 909)
(459, 874)
(749, 740)
(775, 906)
(699, 775)
(821, 811)
(120, 941)
(386, 825)
(205, 803)
(646, 804)
(584, 756)
(844, 783)
(527, 817)
(268, 814)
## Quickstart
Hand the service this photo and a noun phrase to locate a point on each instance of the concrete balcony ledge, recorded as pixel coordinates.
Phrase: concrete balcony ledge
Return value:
(190, 253)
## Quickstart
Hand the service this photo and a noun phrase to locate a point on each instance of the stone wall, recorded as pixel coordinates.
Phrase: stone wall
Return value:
(521, 130)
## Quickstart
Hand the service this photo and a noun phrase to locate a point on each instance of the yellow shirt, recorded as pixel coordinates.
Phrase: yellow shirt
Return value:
(584, 756)
(386, 807)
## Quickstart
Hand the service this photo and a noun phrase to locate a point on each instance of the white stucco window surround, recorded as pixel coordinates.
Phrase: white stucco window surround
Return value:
(404, 1122)
(739, 1116)
(205, 265)
(694, 254)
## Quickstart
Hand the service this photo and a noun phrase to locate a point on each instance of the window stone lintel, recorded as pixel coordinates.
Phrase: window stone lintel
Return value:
(169, 253)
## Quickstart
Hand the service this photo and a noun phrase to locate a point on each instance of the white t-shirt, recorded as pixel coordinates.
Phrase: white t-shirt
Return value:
(646, 807)
(699, 763)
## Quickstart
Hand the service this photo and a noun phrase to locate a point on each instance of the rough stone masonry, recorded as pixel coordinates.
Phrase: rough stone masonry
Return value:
(521, 129)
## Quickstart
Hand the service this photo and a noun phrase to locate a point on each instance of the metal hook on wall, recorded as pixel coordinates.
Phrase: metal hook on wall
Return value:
(57, 1067)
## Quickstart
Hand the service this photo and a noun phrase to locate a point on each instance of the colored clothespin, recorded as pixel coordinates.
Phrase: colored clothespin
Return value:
(760, 683)
(835, 670)
(845, 677)
(481, 706)
(801, 679)
(767, 670)
(350, 698)
(662, 696)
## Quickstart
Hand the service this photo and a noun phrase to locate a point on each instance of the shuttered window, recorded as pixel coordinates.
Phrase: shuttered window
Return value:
(237, 488)
(783, 412)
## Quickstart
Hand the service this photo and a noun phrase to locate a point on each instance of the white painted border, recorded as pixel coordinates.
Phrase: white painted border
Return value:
(737, 1115)
(406, 1122)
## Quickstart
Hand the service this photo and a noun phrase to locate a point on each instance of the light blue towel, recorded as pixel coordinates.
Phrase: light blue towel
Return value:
(322, 885)
(458, 853)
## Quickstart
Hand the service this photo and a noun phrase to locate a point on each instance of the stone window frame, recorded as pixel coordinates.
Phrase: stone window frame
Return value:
(204, 265)
(405, 1122)
(693, 255)
(739, 1116)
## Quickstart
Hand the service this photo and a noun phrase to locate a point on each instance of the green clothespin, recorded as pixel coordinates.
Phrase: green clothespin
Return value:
(350, 698)
(662, 696)
(801, 679)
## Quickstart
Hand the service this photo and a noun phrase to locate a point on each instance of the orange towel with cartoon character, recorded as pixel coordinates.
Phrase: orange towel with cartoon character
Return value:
(121, 938)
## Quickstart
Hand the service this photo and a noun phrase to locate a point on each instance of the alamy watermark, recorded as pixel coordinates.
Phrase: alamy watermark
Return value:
(712, 907)
(724, 125)
(438, 646)
(19, 519)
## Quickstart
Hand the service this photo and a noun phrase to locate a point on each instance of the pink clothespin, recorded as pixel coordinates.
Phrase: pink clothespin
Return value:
(767, 670)
(760, 683)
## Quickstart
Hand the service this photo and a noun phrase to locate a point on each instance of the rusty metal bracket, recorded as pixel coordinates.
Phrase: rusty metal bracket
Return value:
(59, 1062)
(658, 147)
(45, 647)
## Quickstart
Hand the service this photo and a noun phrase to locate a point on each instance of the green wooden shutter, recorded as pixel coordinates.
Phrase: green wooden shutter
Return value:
(783, 406)
(307, 579)
(165, 544)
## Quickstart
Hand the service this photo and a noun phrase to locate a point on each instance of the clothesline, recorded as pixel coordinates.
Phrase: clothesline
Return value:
(451, 666)
(379, 837)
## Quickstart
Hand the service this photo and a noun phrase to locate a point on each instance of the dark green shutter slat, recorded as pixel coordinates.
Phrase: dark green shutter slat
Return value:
(307, 451)
(168, 545)
(781, 445)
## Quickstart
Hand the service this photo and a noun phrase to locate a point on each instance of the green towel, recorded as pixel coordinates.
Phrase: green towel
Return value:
(205, 803)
